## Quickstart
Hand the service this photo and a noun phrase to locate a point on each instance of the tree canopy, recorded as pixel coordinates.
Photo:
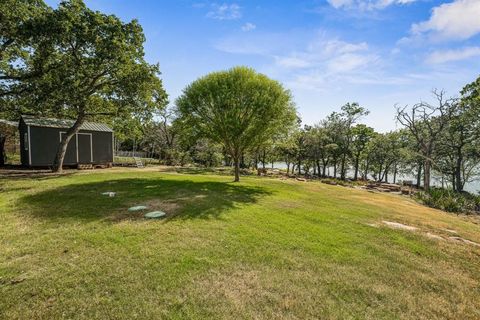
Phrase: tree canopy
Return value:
(238, 108)
(86, 65)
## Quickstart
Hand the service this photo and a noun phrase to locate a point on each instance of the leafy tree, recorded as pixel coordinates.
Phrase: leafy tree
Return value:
(361, 135)
(91, 65)
(20, 27)
(426, 122)
(165, 138)
(459, 144)
(384, 151)
(237, 108)
(22, 24)
(351, 113)
(287, 149)
(206, 153)
(335, 129)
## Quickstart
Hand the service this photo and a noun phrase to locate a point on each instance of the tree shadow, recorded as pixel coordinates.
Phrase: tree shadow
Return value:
(180, 199)
(21, 173)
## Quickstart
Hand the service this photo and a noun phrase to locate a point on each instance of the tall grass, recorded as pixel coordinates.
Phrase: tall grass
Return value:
(450, 201)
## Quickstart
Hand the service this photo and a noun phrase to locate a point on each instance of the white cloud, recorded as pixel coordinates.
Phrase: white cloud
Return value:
(306, 62)
(457, 20)
(225, 12)
(453, 55)
(349, 62)
(292, 62)
(329, 55)
(335, 46)
(341, 3)
(248, 27)
(365, 5)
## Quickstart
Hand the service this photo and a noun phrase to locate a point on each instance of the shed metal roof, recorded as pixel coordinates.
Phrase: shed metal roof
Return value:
(64, 123)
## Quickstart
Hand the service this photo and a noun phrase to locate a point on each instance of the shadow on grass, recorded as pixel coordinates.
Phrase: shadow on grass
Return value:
(220, 171)
(181, 199)
(20, 173)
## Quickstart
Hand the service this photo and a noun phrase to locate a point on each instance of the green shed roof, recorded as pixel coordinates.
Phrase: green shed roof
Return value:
(63, 123)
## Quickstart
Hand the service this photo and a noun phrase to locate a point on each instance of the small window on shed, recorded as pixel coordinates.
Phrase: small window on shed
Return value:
(25, 140)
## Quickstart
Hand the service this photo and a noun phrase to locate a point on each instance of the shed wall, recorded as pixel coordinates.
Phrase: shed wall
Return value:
(44, 144)
(22, 128)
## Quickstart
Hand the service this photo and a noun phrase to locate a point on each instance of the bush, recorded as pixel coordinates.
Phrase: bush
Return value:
(450, 201)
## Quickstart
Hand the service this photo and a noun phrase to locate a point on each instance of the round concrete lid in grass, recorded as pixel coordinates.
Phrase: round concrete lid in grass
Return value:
(137, 208)
(155, 215)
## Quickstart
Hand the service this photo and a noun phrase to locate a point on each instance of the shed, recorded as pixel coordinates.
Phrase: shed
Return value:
(40, 138)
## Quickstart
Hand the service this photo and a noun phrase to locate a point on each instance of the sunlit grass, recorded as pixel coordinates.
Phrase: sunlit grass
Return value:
(261, 248)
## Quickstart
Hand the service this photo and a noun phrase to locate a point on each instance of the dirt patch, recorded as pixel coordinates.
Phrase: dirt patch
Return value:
(460, 239)
(451, 231)
(397, 225)
(434, 236)
(126, 215)
(170, 207)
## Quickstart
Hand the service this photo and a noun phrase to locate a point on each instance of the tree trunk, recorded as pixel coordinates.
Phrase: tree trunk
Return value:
(288, 168)
(263, 159)
(299, 167)
(419, 174)
(458, 173)
(62, 148)
(426, 175)
(318, 167)
(342, 167)
(237, 169)
(357, 160)
(3, 154)
(367, 167)
(335, 169)
(395, 174)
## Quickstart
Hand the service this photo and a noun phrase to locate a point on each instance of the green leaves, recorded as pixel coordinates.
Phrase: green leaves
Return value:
(238, 108)
(87, 62)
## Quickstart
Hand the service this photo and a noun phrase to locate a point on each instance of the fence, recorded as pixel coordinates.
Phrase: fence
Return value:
(130, 154)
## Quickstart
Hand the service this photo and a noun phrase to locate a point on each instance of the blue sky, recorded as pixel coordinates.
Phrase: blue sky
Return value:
(327, 52)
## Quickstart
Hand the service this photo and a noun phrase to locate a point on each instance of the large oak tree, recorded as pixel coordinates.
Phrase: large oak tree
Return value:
(89, 66)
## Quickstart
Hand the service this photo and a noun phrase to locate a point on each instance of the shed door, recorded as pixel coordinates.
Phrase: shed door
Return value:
(71, 154)
(85, 152)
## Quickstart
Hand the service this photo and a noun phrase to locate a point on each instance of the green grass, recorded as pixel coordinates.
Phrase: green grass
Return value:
(261, 248)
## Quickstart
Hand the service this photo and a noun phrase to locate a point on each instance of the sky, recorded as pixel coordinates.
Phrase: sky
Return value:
(379, 53)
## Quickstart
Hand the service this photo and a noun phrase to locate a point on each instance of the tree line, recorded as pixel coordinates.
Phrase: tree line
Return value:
(73, 62)
(440, 139)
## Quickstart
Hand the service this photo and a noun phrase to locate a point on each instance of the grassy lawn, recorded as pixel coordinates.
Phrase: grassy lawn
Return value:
(261, 248)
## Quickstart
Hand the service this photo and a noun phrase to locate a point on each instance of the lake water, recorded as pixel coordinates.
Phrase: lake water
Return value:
(473, 187)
